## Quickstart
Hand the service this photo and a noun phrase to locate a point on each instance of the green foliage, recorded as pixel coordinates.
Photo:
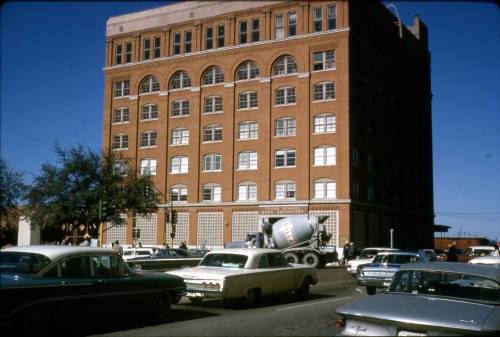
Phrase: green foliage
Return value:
(84, 188)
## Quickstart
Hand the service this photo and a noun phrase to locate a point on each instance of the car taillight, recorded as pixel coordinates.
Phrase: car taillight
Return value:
(340, 323)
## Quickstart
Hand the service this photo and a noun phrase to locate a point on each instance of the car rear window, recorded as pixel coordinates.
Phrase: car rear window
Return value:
(224, 260)
(22, 263)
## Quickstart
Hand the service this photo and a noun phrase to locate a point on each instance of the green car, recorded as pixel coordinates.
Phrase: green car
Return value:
(41, 283)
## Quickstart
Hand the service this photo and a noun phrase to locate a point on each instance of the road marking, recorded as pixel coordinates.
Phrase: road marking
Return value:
(309, 304)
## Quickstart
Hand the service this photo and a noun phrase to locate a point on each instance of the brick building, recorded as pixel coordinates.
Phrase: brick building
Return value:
(244, 110)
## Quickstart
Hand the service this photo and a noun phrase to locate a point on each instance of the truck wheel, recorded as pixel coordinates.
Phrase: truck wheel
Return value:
(371, 290)
(311, 259)
(292, 257)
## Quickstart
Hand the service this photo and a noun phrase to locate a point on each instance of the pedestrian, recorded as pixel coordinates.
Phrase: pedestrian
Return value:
(345, 253)
(451, 256)
(118, 248)
(496, 252)
(86, 240)
(351, 251)
(183, 246)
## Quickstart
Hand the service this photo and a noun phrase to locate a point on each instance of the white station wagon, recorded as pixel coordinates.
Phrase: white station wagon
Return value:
(245, 273)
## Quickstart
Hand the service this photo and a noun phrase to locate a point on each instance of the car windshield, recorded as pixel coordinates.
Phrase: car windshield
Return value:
(436, 283)
(395, 258)
(368, 253)
(224, 260)
(22, 263)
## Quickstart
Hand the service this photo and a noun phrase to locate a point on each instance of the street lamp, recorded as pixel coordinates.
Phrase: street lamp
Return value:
(392, 237)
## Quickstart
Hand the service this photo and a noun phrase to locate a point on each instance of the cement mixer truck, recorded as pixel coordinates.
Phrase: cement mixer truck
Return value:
(302, 239)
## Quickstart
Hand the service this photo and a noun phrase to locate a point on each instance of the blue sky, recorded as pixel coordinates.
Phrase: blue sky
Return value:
(52, 54)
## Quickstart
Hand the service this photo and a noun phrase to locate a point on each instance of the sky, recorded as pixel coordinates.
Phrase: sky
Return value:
(51, 91)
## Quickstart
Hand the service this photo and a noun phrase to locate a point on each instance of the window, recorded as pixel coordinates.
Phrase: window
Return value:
(179, 164)
(325, 189)
(209, 38)
(213, 104)
(120, 115)
(149, 85)
(188, 37)
(212, 133)
(248, 130)
(180, 136)
(118, 54)
(285, 96)
(279, 32)
(248, 100)
(148, 139)
(292, 23)
(324, 91)
(128, 52)
(247, 160)
(243, 32)
(122, 88)
(247, 71)
(220, 36)
(149, 112)
(178, 193)
(317, 19)
(247, 192)
(332, 17)
(284, 158)
(180, 108)
(212, 162)
(324, 60)
(177, 43)
(355, 190)
(284, 65)
(146, 50)
(325, 123)
(76, 267)
(255, 30)
(120, 167)
(284, 190)
(371, 192)
(211, 192)
(285, 127)
(157, 47)
(325, 156)
(148, 167)
(120, 142)
(355, 157)
(180, 80)
(213, 75)
(370, 162)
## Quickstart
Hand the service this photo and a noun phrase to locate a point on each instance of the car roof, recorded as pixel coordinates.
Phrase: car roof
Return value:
(380, 248)
(486, 258)
(244, 251)
(482, 247)
(398, 252)
(55, 252)
(455, 267)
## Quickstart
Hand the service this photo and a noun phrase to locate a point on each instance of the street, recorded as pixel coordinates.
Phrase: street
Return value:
(276, 316)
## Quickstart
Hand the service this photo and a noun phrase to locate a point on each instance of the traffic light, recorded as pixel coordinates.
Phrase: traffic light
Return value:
(167, 217)
(174, 217)
(103, 209)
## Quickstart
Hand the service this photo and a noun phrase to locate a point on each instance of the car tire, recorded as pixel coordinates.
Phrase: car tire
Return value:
(311, 259)
(161, 306)
(292, 257)
(35, 321)
(252, 297)
(371, 290)
(196, 300)
(303, 290)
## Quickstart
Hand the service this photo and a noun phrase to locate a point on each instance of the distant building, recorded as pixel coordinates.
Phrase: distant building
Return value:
(461, 243)
(245, 110)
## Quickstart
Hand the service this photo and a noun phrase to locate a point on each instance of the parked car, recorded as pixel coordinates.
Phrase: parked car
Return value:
(39, 283)
(431, 253)
(475, 251)
(491, 260)
(379, 273)
(130, 253)
(428, 299)
(164, 259)
(242, 273)
(366, 256)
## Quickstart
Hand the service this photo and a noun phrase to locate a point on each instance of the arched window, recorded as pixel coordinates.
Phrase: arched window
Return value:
(180, 136)
(284, 65)
(148, 167)
(247, 160)
(178, 193)
(248, 130)
(211, 192)
(247, 71)
(180, 80)
(212, 162)
(213, 75)
(284, 190)
(150, 84)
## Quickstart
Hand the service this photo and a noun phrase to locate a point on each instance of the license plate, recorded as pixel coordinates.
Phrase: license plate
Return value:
(410, 333)
(194, 294)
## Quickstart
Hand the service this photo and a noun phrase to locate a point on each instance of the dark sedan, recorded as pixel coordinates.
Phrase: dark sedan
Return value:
(41, 283)
(165, 259)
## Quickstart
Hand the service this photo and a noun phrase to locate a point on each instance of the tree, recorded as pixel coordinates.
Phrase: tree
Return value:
(12, 189)
(86, 189)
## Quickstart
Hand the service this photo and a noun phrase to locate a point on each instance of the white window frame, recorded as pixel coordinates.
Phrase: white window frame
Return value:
(279, 27)
(249, 69)
(324, 61)
(289, 66)
(180, 136)
(179, 165)
(289, 127)
(325, 155)
(122, 140)
(212, 162)
(150, 138)
(121, 115)
(248, 130)
(285, 190)
(181, 191)
(215, 191)
(323, 92)
(148, 167)
(149, 85)
(247, 191)
(294, 24)
(121, 88)
(325, 189)
(120, 167)
(317, 19)
(331, 18)
(180, 108)
(246, 101)
(183, 80)
(214, 132)
(212, 76)
(322, 124)
(212, 104)
(286, 155)
(287, 96)
(247, 160)
(149, 112)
